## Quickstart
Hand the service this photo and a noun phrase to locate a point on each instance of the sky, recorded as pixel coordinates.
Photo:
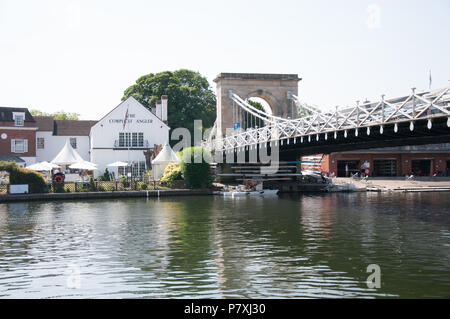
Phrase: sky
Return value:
(80, 56)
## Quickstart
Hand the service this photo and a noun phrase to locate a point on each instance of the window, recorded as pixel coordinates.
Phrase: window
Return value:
(137, 169)
(140, 139)
(131, 139)
(73, 142)
(19, 146)
(124, 140)
(134, 139)
(121, 139)
(19, 118)
(40, 143)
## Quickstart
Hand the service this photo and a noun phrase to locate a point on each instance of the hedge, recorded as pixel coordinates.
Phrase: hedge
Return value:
(19, 175)
(195, 167)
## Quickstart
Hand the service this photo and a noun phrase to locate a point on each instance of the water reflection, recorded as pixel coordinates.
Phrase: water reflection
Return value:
(196, 247)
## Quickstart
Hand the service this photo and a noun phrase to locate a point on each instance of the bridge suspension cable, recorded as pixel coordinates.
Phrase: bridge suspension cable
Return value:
(426, 105)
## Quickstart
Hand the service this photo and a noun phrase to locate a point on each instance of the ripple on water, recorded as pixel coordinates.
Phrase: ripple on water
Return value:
(291, 247)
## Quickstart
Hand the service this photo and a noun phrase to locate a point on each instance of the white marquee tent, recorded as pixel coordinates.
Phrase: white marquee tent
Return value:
(67, 156)
(166, 156)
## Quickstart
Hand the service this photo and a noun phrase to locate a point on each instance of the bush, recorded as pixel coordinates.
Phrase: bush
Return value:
(92, 187)
(58, 188)
(19, 175)
(106, 177)
(195, 167)
(172, 173)
(144, 186)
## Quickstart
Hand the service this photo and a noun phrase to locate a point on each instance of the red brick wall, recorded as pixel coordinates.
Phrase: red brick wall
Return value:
(438, 161)
(11, 123)
(5, 144)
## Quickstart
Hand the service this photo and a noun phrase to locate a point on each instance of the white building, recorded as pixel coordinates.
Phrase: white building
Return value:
(52, 135)
(125, 133)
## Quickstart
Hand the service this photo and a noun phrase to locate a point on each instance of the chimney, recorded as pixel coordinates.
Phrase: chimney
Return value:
(164, 100)
(158, 108)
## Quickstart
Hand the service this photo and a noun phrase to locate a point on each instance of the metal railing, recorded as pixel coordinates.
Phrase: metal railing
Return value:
(125, 145)
(369, 115)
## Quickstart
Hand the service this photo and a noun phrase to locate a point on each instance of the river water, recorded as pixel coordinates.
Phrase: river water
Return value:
(303, 246)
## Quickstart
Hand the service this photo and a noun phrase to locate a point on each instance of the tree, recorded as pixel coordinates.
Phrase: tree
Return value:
(189, 94)
(248, 122)
(60, 115)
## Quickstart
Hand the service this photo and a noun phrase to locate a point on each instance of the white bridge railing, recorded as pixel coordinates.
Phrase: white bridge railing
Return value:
(365, 116)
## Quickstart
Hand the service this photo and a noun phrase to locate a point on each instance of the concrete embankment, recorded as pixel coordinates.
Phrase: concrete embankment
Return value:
(419, 184)
(103, 195)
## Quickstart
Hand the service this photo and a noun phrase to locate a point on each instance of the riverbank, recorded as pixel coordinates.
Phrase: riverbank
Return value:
(103, 195)
(419, 184)
(424, 184)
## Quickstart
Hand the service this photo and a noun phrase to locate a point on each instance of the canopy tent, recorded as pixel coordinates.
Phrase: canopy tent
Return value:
(67, 156)
(160, 162)
(43, 166)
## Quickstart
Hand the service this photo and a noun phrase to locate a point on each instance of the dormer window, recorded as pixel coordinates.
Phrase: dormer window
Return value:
(19, 118)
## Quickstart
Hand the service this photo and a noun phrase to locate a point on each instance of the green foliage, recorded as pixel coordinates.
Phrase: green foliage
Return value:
(106, 177)
(8, 166)
(92, 187)
(256, 105)
(302, 112)
(172, 173)
(254, 123)
(18, 175)
(60, 115)
(58, 188)
(144, 186)
(195, 167)
(189, 93)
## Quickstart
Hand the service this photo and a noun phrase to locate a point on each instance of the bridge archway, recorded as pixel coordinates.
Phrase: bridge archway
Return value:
(273, 88)
(263, 102)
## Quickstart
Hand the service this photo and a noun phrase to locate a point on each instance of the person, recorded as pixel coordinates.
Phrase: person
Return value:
(346, 170)
(365, 168)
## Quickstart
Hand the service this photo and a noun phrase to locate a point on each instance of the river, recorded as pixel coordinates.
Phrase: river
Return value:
(303, 246)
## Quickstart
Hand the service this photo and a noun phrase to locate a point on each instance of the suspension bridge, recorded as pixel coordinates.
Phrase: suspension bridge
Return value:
(297, 128)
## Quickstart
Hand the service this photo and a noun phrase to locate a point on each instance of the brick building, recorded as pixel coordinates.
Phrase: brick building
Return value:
(17, 135)
(420, 160)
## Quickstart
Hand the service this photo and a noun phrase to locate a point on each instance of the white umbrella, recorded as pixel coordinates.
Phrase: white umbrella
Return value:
(52, 165)
(43, 166)
(118, 164)
(84, 165)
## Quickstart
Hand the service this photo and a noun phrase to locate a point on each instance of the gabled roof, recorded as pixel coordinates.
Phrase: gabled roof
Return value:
(72, 127)
(44, 123)
(132, 98)
(6, 114)
(64, 127)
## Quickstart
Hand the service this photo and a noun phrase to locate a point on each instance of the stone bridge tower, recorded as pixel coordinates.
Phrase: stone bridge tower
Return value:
(273, 88)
